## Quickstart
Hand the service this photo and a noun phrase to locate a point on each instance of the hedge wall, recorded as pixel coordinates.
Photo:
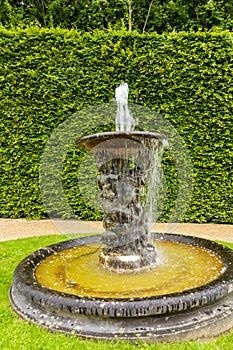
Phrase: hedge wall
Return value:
(47, 76)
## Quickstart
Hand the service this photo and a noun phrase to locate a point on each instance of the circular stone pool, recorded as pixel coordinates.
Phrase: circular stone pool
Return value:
(188, 294)
(78, 271)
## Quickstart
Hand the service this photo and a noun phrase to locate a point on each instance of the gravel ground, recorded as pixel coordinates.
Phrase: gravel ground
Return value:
(21, 228)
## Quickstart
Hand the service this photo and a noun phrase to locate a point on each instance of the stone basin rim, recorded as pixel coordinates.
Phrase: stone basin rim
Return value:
(26, 283)
(90, 141)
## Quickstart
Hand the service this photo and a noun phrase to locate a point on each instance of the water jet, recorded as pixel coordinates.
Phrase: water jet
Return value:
(128, 283)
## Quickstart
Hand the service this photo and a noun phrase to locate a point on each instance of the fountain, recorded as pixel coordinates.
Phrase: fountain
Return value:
(128, 283)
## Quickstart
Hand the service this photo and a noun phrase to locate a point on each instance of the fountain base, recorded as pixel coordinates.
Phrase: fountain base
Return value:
(201, 312)
(208, 322)
(122, 261)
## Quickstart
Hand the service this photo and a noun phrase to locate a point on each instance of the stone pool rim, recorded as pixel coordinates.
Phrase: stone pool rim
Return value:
(26, 284)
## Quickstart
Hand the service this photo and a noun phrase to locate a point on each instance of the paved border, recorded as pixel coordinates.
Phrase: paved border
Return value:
(11, 229)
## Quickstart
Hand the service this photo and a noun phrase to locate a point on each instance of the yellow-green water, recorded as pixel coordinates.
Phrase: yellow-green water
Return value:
(78, 271)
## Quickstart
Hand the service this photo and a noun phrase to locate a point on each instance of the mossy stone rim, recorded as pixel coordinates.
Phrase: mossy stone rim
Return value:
(26, 284)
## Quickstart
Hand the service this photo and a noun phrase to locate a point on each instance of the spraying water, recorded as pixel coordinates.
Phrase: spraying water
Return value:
(124, 119)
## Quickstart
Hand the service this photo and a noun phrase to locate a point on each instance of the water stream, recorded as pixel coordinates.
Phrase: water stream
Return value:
(124, 120)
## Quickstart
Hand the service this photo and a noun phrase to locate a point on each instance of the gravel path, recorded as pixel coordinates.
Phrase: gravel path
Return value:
(21, 228)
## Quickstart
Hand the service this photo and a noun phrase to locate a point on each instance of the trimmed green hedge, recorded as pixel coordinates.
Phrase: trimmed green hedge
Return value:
(48, 75)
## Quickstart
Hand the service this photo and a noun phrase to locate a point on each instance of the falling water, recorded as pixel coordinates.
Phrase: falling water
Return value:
(127, 181)
(128, 165)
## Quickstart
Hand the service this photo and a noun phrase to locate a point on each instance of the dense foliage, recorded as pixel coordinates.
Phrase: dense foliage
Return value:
(141, 15)
(48, 75)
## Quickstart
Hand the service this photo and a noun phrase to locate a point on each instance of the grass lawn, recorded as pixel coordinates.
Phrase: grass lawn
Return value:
(18, 334)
